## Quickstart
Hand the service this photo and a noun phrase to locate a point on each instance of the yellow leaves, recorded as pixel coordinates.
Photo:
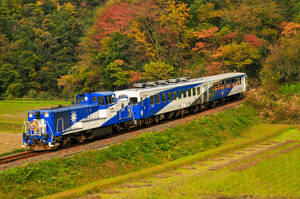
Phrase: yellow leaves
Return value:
(239, 55)
(67, 81)
(39, 3)
(157, 70)
(70, 7)
(176, 15)
(206, 11)
(105, 44)
(140, 36)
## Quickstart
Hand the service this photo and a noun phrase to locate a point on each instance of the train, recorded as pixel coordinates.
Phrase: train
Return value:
(104, 113)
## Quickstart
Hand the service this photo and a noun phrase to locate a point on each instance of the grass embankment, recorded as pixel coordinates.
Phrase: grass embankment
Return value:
(273, 172)
(43, 178)
(257, 134)
(14, 112)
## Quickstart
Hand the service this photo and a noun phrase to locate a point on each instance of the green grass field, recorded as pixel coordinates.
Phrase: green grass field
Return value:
(145, 151)
(272, 172)
(13, 113)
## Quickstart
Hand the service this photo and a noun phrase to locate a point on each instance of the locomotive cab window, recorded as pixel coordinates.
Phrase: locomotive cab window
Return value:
(94, 99)
(108, 100)
(101, 100)
(133, 101)
(78, 100)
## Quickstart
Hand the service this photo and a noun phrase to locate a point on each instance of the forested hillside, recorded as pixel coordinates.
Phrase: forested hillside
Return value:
(39, 43)
(61, 47)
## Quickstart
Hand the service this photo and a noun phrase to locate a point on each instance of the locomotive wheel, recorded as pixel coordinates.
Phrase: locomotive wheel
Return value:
(38, 148)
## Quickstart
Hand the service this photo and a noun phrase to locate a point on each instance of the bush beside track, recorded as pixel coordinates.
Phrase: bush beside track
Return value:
(43, 178)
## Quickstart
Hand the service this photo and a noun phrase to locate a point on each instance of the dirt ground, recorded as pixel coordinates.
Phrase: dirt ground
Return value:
(10, 142)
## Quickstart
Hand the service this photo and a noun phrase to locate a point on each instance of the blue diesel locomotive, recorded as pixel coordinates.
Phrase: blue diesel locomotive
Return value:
(102, 113)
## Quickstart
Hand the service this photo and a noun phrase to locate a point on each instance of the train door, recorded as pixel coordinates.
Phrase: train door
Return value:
(244, 83)
(123, 107)
(144, 106)
(204, 88)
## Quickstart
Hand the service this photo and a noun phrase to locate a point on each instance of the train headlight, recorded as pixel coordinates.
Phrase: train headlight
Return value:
(30, 115)
(46, 114)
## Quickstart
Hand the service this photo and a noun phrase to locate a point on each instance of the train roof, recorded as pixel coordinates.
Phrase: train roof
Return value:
(104, 93)
(187, 82)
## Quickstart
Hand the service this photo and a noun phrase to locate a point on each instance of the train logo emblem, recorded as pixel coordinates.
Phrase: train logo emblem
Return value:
(73, 117)
(33, 125)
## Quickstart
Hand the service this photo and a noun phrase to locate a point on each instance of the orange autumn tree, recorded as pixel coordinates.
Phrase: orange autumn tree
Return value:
(290, 28)
(207, 39)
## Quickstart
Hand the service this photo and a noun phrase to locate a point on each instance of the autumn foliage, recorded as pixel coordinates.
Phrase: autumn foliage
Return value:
(116, 18)
(290, 28)
(65, 47)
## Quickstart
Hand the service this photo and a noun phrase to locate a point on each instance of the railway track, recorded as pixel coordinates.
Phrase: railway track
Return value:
(23, 157)
(19, 156)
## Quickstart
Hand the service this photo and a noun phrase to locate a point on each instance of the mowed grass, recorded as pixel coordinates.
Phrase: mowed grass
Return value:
(13, 113)
(257, 134)
(277, 177)
(275, 174)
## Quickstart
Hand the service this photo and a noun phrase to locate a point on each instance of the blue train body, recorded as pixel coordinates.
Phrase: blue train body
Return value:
(104, 112)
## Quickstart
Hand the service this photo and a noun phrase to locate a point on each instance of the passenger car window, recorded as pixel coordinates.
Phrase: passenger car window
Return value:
(179, 94)
(169, 96)
(158, 99)
(194, 91)
(151, 100)
(184, 93)
(101, 100)
(164, 98)
(174, 95)
(190, 92)
(133, 101)
(198, 90)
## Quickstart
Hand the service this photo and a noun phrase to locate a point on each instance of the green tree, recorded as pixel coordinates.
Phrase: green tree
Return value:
(158, 70)
(283, 63)
(240, 57)
(115, 75)
(10, 78)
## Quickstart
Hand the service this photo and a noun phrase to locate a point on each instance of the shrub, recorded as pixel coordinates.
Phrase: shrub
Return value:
(32, 94)
(274, 107)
